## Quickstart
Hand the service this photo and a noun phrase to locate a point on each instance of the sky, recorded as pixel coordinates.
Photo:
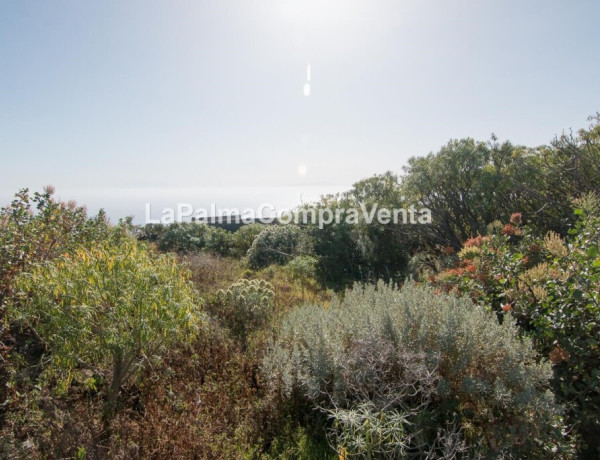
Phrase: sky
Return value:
(120, 103)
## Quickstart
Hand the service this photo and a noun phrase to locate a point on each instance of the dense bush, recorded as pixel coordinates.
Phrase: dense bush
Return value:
(277, 244)
(567, 168)
(190, 237)
(552, 287)
(218, 240)
(361, 250)
(106, 309)
(469, 184)
(243, 237)
(150, 232)
(183, 237)
(440, 362)
(35, 228)
(340, 259)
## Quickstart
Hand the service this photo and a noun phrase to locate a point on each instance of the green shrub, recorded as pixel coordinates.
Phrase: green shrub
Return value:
(277, 244)
(292, 443)
(183, 237)
(443, 363)
(218, 240)
(35, 228)
(188, 237)
(243, 237)
(150, 232)
(106, 309)
(304, 269)
(566, 323)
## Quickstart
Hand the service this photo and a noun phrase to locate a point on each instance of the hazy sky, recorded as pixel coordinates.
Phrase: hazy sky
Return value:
(109, 100)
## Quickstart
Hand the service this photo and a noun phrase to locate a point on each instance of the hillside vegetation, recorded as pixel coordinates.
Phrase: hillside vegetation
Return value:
(474, 336)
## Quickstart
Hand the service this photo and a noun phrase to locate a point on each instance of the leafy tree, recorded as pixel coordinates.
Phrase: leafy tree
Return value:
(463, 187)
(349, 251)
(335, 244)
(385, 247)
(567, 168)
(469, 184)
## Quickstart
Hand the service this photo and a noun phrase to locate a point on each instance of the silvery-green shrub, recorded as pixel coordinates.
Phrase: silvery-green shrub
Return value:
(444, 363)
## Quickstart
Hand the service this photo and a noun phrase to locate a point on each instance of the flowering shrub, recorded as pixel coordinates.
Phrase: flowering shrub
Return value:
(37, 227)
(551, 286)
(439, 362)
(247, 306)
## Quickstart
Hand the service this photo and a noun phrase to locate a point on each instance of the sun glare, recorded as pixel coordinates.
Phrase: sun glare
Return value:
(307, 84)
(302, 170)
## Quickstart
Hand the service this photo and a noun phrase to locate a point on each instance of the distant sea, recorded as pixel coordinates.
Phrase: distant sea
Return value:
(123, 202)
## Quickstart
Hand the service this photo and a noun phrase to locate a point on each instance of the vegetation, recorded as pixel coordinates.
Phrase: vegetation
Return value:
(418, 363)
(551, 287)
(277, 245)
(110, 307)
(247, 306)
(311, 341)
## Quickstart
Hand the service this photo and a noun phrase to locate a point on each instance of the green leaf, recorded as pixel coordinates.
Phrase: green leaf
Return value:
(592, 252)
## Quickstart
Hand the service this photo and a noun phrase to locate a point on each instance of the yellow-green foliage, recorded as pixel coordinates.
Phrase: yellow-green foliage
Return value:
(37, 227)
(290, 292)
(108, 307)
(469, 252)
